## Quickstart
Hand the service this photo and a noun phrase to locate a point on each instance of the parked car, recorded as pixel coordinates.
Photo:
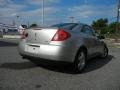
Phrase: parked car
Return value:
(1, 33)
(22, 28)
(68, 42)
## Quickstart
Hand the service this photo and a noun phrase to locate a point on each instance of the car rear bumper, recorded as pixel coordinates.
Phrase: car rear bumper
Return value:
(49, 52)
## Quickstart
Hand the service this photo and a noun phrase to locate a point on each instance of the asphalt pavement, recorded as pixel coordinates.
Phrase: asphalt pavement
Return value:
(22, 74)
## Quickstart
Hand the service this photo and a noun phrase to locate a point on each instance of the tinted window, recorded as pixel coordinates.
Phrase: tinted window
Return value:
(88, 30)
(68, 26)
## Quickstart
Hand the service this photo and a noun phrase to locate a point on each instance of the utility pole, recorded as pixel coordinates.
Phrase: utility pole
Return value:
(13, 23)
(43, 13)
(17, 22)
(118, 17)
(72, 19)
(28, 24)
(117, 22)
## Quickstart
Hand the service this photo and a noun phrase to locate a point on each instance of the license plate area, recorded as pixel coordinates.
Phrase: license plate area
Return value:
(32, 48)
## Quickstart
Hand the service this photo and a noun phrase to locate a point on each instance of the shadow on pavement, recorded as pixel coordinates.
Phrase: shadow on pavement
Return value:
(7, 44)
(97, 63)
(69, 68)
(18, 66)
(58, 67)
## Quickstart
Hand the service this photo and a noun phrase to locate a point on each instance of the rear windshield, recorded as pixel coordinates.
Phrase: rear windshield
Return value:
(68, 26)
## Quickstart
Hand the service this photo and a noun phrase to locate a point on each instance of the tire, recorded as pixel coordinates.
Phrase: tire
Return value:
(80, 61)
(105, 52)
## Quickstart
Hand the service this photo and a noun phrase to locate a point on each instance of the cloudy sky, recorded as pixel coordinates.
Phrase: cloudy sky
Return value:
(56, 11)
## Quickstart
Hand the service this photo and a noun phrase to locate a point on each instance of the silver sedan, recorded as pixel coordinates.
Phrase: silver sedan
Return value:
(67, 42)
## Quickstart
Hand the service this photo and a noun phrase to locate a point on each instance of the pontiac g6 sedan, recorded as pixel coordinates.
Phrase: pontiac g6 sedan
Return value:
(66, 42)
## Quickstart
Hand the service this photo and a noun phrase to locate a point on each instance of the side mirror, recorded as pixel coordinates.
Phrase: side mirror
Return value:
(101, 37)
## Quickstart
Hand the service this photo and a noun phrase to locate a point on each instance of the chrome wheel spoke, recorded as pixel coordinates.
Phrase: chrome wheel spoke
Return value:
(105, 52)
(81, 61)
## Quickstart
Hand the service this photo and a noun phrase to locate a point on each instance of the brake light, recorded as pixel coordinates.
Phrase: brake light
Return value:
(61, 35)
(24, 35)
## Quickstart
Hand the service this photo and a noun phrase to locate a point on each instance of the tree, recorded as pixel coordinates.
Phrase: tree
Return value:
(113, 26)
(33, 25)
(101, 25)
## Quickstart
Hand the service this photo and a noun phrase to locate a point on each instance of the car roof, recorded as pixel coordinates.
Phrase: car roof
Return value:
(75, 23)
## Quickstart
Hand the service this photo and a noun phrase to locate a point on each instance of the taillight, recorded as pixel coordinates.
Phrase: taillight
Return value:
(24, 35)
(61, 35)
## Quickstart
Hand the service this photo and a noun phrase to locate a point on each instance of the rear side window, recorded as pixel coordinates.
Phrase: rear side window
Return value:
(88, 30)
(68, 26)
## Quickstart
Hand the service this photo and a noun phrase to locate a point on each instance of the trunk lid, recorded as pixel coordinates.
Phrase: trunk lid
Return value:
(40, 35)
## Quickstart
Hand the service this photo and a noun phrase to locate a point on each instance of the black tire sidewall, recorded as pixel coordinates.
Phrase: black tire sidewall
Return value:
(76, 62)
(102, 56)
